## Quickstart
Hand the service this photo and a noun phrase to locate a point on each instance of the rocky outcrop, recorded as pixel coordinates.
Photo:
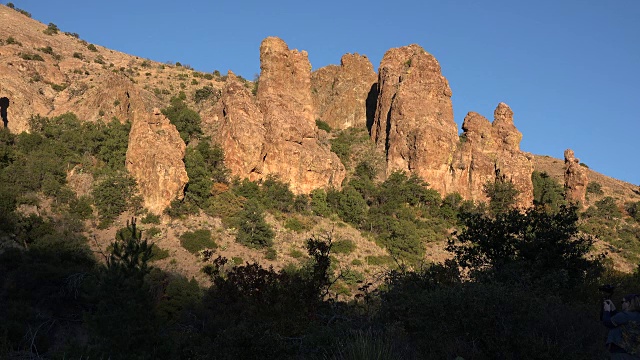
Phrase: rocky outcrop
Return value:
(487, 150)
(344, 96)
(291, 149)
(413, 122)
(154, 159)
(238, 128)
(575, 179)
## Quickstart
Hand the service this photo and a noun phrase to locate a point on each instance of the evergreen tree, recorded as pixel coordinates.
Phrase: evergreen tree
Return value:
(253, 230)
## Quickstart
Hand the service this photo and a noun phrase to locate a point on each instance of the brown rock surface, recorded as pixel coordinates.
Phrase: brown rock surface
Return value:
(487, 150)
(154, 159)
(575, 179)
(238, 127)
(340, 93)
(291, 149)
(413, 123)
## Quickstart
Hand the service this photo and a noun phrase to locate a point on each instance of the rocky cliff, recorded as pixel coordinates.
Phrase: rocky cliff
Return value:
(238, 126)
(344, 96)
(275, 132)
(414, 127)
(154, 159)
(489, 149)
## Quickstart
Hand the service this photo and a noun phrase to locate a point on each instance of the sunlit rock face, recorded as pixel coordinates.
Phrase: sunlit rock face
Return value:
(576, 179)
(154, 159)
(344, 96)
(291, 149)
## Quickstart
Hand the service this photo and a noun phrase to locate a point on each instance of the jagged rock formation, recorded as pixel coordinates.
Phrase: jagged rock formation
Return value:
(292, 149)
(344, 96)
(275, 133)
(575, 179)
(154, 159)
(414, 127)
(487, 150)
(413, 122)
(238, 127)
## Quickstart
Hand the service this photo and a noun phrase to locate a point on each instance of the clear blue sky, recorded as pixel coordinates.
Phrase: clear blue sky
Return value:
(569, 69)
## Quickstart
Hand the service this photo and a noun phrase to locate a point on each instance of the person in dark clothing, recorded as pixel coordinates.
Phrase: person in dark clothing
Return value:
(623, 339)
(4, 104)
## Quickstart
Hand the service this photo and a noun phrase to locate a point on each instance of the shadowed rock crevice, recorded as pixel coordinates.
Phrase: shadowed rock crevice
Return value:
(4, 105)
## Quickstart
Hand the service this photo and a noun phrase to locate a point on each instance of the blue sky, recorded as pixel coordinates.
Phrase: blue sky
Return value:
(569, 69)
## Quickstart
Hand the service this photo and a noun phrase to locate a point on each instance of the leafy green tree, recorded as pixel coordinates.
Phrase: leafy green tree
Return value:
(186, 120)
(319, 202)
(113, 195)
(608, 208)
(536, 242)
(214, 158)
(502, 194)
(253, 230)
(276, 194)
(198, 189)
(351, 207)
(546, 191)
(246, 188)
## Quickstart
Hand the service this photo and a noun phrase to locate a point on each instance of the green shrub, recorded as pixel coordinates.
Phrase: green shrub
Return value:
(158, 253)
(35, 57)
(47, 50)
(294, 224)
(78, 55)
(379, 260)
(152, 232)
(296, 254)
(546, 191)
(594, 188)
(237, 260)
(60, 87)
(276, 194)
(203, 93)
(197, 240)
(52, 29)
(113, 195)
(345, 246)
(352, 277)
(271, 254)
(357, 262)
(92, 47)
(12, 41)
(323, 125)
(186, 120)
(150, 219)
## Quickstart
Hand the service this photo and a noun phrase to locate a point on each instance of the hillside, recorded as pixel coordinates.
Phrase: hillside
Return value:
(49, 72)
(149, 210)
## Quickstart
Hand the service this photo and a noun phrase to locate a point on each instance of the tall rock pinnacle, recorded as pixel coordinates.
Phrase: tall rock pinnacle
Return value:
(413, 123)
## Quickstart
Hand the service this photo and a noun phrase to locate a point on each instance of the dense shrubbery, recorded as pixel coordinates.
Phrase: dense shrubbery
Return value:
(197, 240)
(186, 120)
(528, 290)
